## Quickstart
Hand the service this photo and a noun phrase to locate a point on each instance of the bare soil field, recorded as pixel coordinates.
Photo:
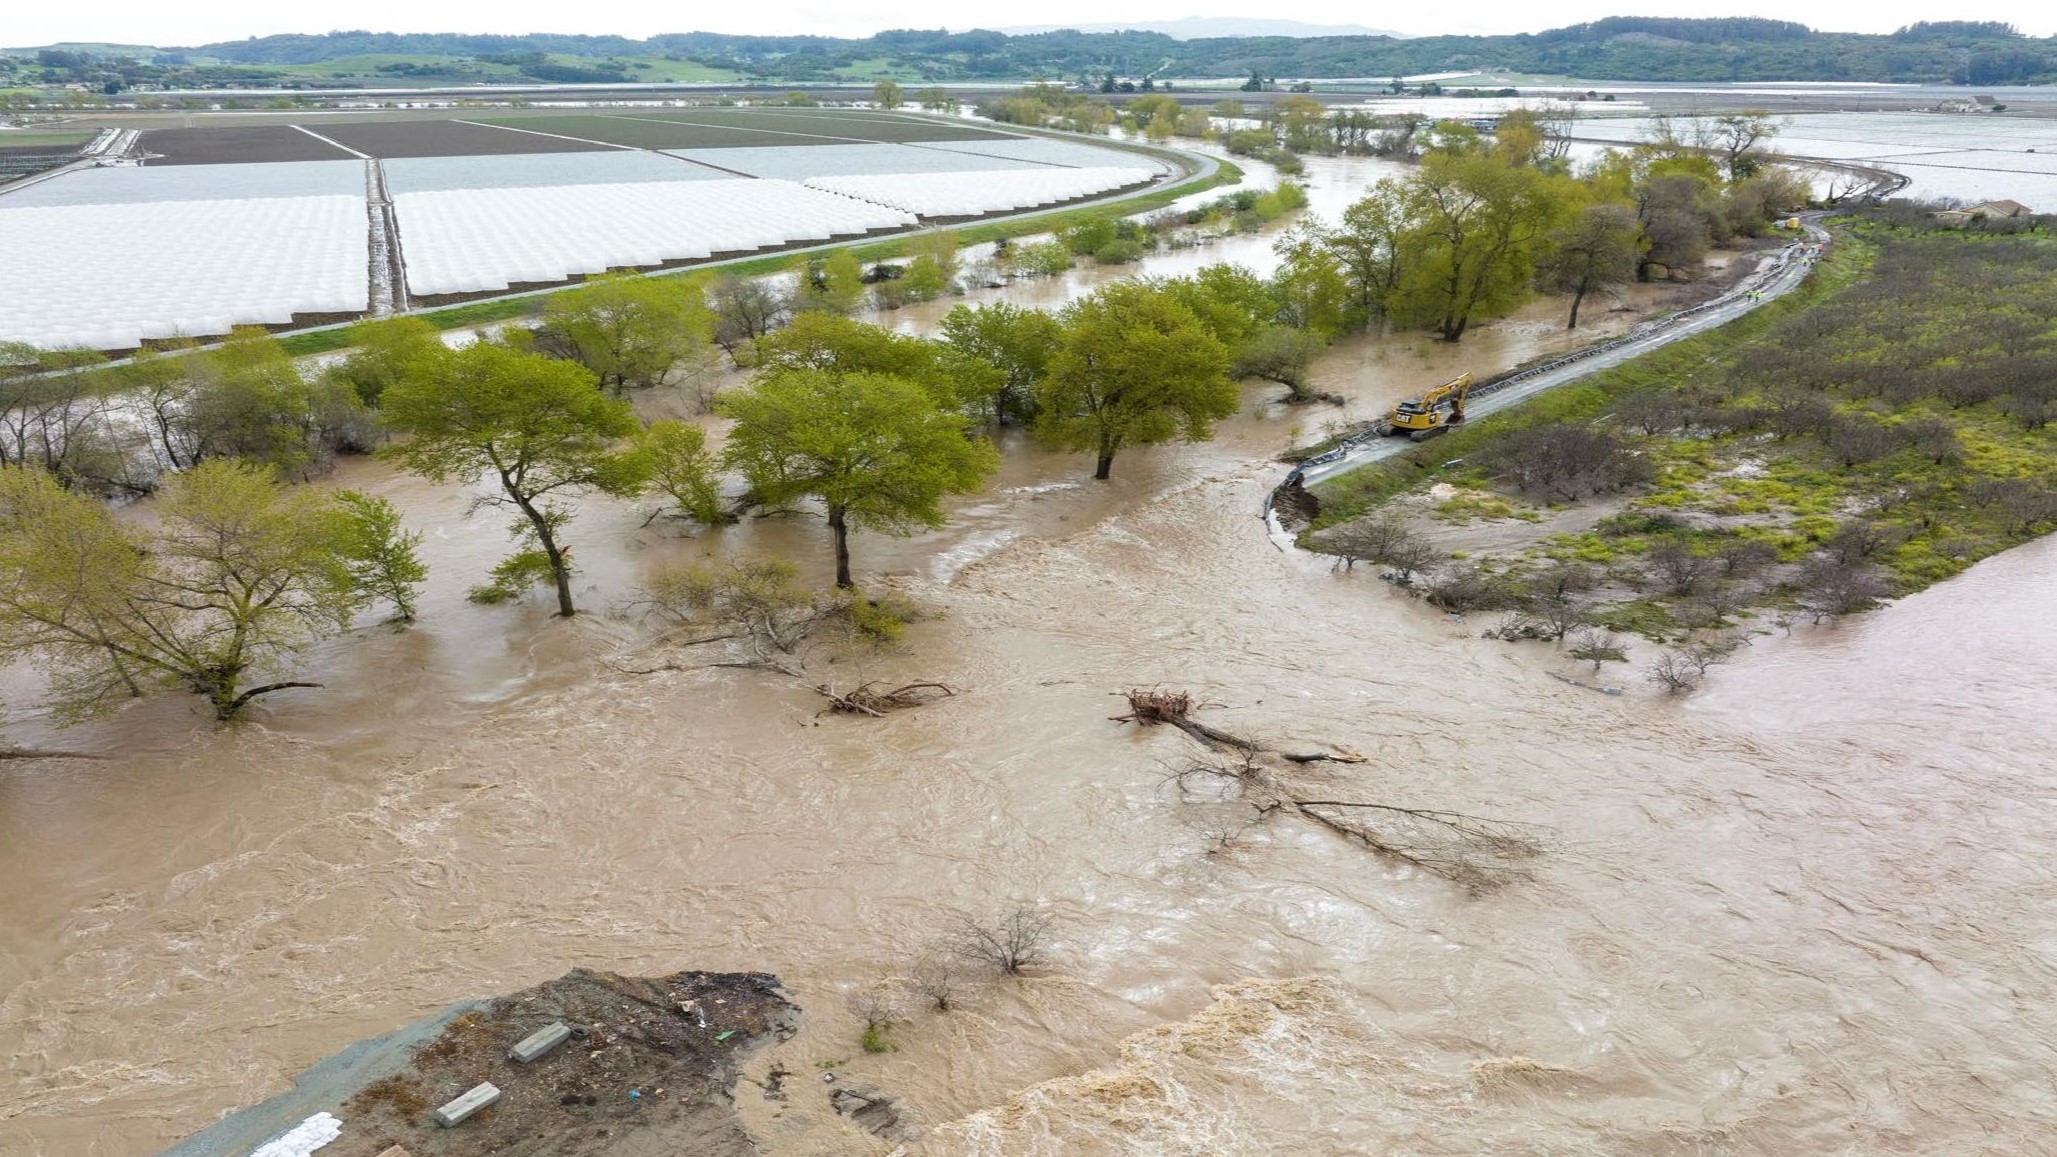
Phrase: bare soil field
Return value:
(647, 132)
(236, 144)
(446, 138)
(870, 126)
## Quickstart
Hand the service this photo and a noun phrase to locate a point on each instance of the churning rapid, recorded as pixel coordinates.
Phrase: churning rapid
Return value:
(1806, 912)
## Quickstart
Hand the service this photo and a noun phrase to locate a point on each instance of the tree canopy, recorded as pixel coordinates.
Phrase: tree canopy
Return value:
(876, 450)
(539, 429)
(1134, 367)
(236, 576)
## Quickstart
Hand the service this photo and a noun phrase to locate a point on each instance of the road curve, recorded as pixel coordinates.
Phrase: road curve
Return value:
(1775, 276)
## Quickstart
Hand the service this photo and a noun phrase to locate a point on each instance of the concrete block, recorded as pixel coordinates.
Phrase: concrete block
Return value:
(540, 1042)
(454, 1113)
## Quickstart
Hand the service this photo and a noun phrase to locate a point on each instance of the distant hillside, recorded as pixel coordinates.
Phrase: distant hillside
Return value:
(1203, 28)
(1618, 48)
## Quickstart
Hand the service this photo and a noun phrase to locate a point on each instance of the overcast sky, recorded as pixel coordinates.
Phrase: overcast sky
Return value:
(27, 22)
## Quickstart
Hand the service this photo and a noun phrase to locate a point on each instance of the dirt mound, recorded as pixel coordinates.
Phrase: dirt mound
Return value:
(649, 1068)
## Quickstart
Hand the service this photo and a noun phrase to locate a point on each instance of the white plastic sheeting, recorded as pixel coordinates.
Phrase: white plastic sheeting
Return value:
(970, 194)
(1043, 151)
(108, 276)
(431, 174)
(472, 241)
(134, 185)
(303, 1138)
(798, 162)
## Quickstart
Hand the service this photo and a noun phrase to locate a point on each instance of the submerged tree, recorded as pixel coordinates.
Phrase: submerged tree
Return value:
(1596, 252)
(238, 574)
(876, 450)
(538, 428)
(381, 553)
(1134, 367)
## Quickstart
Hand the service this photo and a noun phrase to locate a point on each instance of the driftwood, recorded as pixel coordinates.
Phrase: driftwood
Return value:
(1476, 851)
(1479, 852)
(1150, 708)
(870, 699)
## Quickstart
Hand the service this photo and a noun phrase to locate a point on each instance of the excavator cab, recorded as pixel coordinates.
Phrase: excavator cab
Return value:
(1432, 413)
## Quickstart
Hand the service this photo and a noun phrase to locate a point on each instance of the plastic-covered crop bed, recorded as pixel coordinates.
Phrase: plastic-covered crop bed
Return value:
(479, 240)
(108, 276)
(970, 194)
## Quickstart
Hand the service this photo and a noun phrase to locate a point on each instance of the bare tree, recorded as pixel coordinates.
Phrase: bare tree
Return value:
(878, 1004)
(1383, 539)
(1596, 646)
(1681, 669)
(1829, 588)
(937, 976)
(745, 309)
(1678, 568)
(1013, 943)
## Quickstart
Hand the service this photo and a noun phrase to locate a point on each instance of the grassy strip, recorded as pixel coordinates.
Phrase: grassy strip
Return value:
(473, 313)
(1350, 495)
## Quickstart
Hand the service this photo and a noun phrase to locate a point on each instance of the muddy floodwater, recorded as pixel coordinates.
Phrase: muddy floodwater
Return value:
(1808, 911)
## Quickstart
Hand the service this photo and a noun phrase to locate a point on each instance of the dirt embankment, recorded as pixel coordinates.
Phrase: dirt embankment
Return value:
(649, 1069)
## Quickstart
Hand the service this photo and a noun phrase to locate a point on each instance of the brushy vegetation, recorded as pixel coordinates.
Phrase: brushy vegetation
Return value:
(1874, 433)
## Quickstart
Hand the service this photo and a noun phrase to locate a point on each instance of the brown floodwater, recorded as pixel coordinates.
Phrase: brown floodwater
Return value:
(1806, 911)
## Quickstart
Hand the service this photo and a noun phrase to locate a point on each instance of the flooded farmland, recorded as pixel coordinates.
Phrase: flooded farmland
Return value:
(1801, 913)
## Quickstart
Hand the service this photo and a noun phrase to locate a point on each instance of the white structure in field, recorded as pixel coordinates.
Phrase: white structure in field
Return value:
(477, 240)
(108, 276)
(969, 194)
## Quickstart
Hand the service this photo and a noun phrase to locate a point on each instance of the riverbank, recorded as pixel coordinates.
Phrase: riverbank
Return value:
(1862, 439)
(647, 1059)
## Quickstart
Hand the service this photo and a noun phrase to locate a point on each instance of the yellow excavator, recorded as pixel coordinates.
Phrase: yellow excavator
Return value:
(1432, 413)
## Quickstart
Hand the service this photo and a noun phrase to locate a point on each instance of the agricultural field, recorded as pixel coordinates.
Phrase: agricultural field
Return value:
(1960, 156)
(213, 225)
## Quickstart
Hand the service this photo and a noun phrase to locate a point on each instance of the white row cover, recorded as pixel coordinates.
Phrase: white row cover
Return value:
(137, 184)
(799, 162)
(970, 194)
(109, 276)
(476, 240)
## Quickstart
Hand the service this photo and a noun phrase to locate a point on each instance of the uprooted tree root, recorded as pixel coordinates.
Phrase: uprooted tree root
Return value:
(870, 699)
(1477, 852)
(1175, 708)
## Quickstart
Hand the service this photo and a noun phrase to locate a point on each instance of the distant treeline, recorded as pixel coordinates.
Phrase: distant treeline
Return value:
(1617, 48)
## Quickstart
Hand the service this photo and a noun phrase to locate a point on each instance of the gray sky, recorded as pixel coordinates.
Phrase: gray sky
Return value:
(157, 22)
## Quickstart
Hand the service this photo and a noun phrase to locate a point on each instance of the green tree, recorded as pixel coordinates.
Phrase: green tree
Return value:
(1595, 251)
(246, 399)
(1478, 220)
(934, 267)
(1017, 342)
(1736, 137)
(237, 575)
(382, 351)
(630, 330)
(823, 341)
(539, 428)
(1312, 289)
(834, 284)
(679, 465)
(1134, 367)
(876, 450)
(380, 552)
(886, 94)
